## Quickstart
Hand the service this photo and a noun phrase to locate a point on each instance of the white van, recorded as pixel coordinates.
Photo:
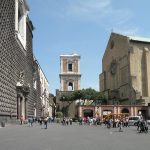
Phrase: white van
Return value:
(133, 120)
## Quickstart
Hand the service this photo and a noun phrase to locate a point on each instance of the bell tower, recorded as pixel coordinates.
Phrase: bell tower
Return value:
(70, 72)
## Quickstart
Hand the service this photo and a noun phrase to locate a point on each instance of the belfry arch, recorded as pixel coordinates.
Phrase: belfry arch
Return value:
(70, 86)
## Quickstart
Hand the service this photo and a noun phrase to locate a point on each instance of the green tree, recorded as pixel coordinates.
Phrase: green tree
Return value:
(77, 95)
(84, 94)
(66, 98)
(89, 94)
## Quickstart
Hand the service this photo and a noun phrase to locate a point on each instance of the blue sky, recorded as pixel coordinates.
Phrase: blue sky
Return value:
(83, 27)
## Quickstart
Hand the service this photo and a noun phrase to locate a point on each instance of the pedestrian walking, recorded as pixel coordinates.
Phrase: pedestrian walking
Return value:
(21, 120)
(45, 122)
(67, 121)
(70, 120)
(30, 121)
(120, 126)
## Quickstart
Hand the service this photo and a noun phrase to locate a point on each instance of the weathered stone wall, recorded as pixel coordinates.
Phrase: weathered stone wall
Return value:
(115, 75)
(64, 65)
(68, 109)
(139, 62)
(126, 74)
(14, 59)
(9, 64)
(67, 76)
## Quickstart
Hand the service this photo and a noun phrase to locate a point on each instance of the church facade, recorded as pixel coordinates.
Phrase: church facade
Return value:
(125, 77)
(20, 86)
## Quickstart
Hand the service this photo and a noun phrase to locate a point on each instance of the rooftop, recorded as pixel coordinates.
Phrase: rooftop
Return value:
(136, 38)
(69, 55)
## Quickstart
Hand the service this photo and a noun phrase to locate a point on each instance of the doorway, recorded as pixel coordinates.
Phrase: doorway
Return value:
(88, 113)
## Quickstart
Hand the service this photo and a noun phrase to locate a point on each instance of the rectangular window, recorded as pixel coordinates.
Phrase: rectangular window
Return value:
(21, 10)
(35, 84)
(70, 67)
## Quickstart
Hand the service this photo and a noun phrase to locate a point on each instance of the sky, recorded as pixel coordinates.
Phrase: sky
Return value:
(82, 27)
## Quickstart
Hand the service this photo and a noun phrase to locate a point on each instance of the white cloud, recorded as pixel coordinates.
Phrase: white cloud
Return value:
(102, 12)
(89, 8)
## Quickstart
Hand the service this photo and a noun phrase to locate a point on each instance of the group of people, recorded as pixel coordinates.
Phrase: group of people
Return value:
(42, 121)
(116, 122)
(66, 121)
(142, 126)
(89, 121)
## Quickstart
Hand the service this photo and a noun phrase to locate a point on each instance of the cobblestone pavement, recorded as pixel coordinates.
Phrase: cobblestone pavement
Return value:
(75, 137)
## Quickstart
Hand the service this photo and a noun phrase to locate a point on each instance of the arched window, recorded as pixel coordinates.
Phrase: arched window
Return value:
(70, 86)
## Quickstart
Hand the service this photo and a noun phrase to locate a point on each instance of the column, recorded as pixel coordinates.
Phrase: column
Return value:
(100, 111)
(18, 107)
(80, 111)
(26, 108)
(135, 111)
(132, 111)
(114, 110)
(118, 110)
(23, 107)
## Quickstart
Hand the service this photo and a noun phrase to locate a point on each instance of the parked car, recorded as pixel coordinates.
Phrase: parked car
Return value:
(133, 120)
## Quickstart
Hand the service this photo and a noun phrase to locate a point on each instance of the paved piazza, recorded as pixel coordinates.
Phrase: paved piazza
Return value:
(75, 137)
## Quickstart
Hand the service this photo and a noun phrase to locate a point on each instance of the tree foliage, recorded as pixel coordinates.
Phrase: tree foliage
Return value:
(68, 96)
(84, 94)
(59, 114)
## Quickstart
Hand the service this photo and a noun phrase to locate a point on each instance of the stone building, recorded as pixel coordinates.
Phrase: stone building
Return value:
(18, 69)
(69, 79)
(125, 77)
(117, 110)
(44, 86)
(70, 72)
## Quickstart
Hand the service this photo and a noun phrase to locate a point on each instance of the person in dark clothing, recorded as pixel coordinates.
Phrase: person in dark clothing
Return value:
(138, 125)
(70, 120)
(45, 122)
